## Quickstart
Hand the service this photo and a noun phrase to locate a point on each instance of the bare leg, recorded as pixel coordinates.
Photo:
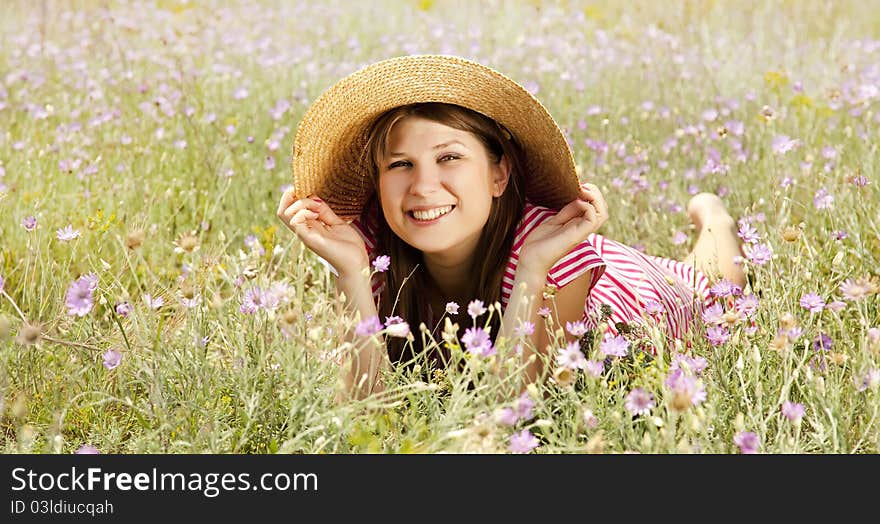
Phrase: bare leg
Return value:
(717, 242)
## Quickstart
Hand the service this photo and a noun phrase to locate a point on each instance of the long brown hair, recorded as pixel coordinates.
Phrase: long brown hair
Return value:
(407, 278)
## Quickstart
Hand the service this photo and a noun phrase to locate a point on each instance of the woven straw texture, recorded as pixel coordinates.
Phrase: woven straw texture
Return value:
(329, 157)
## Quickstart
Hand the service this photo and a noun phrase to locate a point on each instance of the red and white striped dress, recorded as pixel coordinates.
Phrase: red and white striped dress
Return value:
(623, 278)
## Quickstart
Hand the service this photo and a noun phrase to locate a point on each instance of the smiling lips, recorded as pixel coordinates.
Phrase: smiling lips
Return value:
(430, 215)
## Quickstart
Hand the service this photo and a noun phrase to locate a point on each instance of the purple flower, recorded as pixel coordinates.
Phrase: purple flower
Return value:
(476, 308)
(576, 328)
(725, 288)
(523, 406)
(87, 449)
(822, 342)
(747, 305)
(523, 442)
(869, 380)
(823, 199)
(812, 302)
(29, 223)
(478, 342)
(525, 328)
(713, 314)
(759, 254)
(594, 368)
(747, 441)
(679, 238)
(717, 335)
(382, 263)
(2, 282)
(396, 327)
(639, 402)
(368, 327)
(79, 298)
(507, 417)
(840, 234)
(67, 233)
(571, 357)
(153, 303)
(687, 386)
(695, 365)
(793, 411)
(123, 309)
(782, 144)
(748, 233)
(112, 359)
(653, 308)
(614, 347)
(452, 308)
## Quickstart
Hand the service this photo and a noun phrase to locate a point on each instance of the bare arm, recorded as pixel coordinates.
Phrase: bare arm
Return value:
(365, 357)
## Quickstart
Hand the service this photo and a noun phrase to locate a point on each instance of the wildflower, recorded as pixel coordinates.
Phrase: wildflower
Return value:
(590, 420)
(368, 327)
(525, 328)
(822, 342)
(571, 357)
(717, 335)
(748, 233)
(782, 144)
(855, 289)
(759, 254)
(614, 347)
(747, 441)
(835, 306)
(112, 359)
(747, 305)
(29, 223)
(576, 328)
(594, 368)
(477, 342)
(396, 327)
(67, 233)
(822, 199)
(687, 389)
(87, 449)
(452, 308)
(544, 312)
(123, 309)
(790, 234)
(2, 282)
(679, 238)
(639, 402)
(695, 365)
(724, 288)
(506, 416)
(713, 314)
(382, 263)
(653, 308)
(793, 411)
(476, 308)
(523, 406)
(79, 299)
(153, 303)
(839, 234)
(563, 376)
(812, 302)
(869, 380)
(523, 442)
(187, 243)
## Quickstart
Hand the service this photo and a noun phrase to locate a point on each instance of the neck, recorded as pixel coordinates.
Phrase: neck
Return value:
(450, 277)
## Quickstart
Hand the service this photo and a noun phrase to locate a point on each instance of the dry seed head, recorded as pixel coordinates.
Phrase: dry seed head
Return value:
(187, 242)
(134, 239)
(290, 316)
(29, 334)
(791, 234)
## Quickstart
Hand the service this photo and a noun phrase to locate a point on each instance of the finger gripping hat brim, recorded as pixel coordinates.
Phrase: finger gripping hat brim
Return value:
(329, 157)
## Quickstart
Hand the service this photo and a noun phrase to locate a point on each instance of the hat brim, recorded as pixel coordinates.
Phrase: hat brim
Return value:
(329, 147)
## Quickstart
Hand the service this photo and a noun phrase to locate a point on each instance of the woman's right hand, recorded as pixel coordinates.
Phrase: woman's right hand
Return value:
(322, 231)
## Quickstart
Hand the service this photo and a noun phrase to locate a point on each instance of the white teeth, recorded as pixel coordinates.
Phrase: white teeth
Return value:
(431, 214)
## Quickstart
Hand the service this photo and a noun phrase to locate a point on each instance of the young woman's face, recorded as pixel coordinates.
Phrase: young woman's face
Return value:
(437, 185)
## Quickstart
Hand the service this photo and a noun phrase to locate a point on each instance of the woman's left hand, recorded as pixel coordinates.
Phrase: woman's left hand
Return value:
(559, 234)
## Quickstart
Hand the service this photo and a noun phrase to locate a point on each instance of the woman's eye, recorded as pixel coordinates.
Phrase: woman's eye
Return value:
(392, 166)
(453, 157)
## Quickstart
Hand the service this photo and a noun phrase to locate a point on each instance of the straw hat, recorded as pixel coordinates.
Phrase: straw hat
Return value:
(329, 157)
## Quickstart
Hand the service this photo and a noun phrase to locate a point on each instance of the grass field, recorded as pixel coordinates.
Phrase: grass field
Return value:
(144, 147)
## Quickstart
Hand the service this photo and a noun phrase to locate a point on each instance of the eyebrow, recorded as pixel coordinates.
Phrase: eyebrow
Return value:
(438, 146)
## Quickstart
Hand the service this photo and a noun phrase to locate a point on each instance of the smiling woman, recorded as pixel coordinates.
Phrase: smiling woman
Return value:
(461, 179)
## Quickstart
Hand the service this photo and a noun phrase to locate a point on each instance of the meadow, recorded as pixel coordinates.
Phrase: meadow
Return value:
(151, 301)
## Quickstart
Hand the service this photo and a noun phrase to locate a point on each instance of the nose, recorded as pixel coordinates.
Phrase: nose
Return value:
(425, 179)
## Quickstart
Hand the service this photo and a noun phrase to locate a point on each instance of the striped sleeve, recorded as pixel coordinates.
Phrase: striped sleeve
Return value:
(582, 258)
